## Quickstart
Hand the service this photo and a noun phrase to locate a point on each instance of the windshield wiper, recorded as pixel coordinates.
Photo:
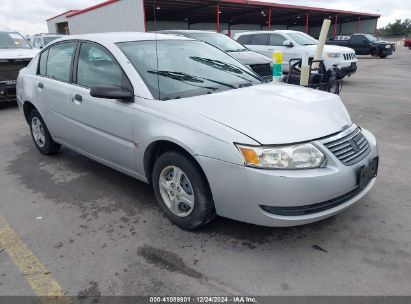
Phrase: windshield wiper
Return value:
(226, 67)
(239, 50)
(180, 76)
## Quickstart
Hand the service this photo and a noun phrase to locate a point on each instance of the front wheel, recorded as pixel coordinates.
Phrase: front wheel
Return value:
(41, 135)
(182, 191)
(383, 56)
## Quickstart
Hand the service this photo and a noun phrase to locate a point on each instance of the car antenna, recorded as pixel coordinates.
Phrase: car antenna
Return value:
(155, 29)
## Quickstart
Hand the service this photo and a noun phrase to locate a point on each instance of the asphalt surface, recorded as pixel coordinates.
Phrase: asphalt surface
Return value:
(99, 232)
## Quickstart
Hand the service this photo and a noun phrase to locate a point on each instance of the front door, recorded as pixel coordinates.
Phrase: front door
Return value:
(276, 44)
(101, 127)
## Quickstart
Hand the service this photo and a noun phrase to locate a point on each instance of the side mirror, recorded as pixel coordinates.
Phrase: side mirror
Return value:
(111, 92)
(288, 43)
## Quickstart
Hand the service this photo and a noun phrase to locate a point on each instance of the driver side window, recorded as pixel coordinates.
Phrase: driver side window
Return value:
(96, 66)
(276, 40)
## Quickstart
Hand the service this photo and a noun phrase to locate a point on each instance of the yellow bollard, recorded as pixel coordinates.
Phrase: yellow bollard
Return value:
(278, 66)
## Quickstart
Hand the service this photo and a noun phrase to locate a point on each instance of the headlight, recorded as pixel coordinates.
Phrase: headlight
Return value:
(334, 55)
(388, 46)
(304, 156)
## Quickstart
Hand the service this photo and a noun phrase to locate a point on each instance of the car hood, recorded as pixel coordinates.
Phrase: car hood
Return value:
(18, 53)
(330, 49)
(273, 113)
(384, 42)
(250, 57)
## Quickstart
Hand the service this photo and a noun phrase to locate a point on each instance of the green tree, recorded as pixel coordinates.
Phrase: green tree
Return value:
(397, 28)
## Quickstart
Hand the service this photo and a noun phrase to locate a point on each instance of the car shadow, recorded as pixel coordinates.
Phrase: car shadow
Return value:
(99, 191)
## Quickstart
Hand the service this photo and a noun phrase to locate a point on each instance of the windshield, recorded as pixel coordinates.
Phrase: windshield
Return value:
(186, 68)
(47, 40)
(302, 39)
(13, 40)
(221, 41)
(370, 37)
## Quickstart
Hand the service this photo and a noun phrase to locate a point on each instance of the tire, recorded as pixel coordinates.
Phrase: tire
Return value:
(202, 209)
(374, 53)
(383, 56)
(409, 47)
(45, 143)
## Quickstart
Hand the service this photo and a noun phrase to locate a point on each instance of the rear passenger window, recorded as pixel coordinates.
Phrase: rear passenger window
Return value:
(59, 61)
(259, 39)
(244, 39)
(96, 66)
(43, 63)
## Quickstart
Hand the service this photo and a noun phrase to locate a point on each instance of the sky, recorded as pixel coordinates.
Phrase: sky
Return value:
(28, 16)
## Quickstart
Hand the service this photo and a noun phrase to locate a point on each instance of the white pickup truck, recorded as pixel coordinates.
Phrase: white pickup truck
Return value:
(294, 44)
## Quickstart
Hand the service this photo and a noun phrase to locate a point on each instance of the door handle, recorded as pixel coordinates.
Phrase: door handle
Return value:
(78, 97)
(40, 85)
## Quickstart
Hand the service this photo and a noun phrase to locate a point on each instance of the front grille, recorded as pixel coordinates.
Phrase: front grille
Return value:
(7, 94)
(263, 70)
(9, 69)
(349, 56)
(351, 148)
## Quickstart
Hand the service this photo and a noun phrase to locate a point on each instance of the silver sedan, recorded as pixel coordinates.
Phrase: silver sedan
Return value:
(205, 131)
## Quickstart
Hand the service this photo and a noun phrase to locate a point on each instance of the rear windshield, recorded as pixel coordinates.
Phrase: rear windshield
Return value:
(13, 40)
(47, 40)
(221, 41)
(185, 68)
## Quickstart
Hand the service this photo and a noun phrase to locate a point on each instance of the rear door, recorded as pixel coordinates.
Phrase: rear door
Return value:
(101, 127)
(259, 44)
(53, 87)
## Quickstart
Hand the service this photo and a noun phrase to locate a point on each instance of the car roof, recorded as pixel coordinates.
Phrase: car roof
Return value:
(188, 32)
(116, 37)
(267, 32)
(6, 29)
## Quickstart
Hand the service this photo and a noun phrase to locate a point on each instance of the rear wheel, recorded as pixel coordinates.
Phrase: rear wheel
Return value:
(41, 135)
(182, 191)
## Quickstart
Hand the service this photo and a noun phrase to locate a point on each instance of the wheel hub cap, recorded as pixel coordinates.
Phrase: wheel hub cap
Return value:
(38, 132)
(176, 191)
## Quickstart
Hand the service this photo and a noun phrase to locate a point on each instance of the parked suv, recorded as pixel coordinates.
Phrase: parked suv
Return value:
(15, 54)
(260, 64)
(294, 44)
(366, 44)
(207, 133)
(40, 41)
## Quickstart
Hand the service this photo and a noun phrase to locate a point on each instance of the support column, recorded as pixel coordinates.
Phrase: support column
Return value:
(307, 28)
(218, 18)
(335, 25)
(270, 11)
(358, 24)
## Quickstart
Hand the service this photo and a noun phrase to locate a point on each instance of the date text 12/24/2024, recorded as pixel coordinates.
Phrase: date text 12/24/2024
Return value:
(203, 299)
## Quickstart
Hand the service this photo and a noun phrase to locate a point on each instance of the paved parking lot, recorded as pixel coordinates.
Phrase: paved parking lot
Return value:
(99, 232)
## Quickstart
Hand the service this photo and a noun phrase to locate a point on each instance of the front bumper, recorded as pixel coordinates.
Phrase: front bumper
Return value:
(239, 191)
(7, 92)
(348, 70)
(384, 51)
